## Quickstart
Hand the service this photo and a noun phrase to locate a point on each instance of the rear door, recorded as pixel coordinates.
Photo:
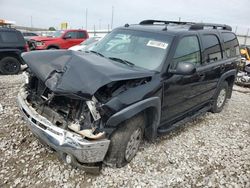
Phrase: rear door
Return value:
(213, 64)
(82, 35)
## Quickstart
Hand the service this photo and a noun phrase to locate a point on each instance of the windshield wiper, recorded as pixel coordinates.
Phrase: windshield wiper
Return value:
(96, 53)
(122, 61)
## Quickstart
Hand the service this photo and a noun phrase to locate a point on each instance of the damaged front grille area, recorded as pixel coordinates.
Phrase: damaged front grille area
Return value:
(83, 151)
(76, 115)
(39, 124)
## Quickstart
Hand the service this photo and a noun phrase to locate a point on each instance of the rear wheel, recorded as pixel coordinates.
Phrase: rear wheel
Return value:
(220, 98)
(10, 65)
(125, 142)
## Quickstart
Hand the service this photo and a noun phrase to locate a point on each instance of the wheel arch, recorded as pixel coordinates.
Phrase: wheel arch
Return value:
(151, 107)
(229, 77)
(230, 80)
(14, 54)
(53, 46)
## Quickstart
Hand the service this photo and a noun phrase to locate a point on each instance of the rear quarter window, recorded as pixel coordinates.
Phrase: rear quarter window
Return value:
(231, 44)
(9, 37)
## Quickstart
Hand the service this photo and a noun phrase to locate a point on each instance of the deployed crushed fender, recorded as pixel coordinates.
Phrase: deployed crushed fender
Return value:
(78, 74)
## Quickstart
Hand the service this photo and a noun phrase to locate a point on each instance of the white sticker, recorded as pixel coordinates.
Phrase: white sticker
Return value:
(157, 44)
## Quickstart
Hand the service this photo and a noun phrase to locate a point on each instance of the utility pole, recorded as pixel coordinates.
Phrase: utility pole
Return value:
(86, 19)
(236, 28)
(246, 36)
(112, 17)
(31, 22)
(100, 24)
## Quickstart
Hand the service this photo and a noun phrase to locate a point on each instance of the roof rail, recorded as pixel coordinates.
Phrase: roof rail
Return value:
(151, 22)
(200, 26)
(193, 26)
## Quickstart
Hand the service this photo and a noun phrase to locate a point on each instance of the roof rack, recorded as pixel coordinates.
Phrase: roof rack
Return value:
(151, 22)
(200, 26)
(193, 26)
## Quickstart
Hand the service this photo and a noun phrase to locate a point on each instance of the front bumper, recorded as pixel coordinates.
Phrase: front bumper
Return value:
(32, 45)
(61, 140)
(41, 47)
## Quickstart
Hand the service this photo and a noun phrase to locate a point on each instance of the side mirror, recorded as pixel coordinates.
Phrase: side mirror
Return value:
(184, 68)
(67, 37)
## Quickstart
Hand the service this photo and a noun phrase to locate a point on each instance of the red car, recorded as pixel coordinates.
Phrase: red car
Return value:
(63, 39)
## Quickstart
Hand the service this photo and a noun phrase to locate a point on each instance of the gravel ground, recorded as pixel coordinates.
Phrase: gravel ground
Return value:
(211, 151)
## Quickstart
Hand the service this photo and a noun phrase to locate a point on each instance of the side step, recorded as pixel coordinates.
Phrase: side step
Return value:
(168, 128)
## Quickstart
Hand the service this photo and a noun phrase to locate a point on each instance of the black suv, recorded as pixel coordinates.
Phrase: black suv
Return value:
(12, 44)
(138, 82)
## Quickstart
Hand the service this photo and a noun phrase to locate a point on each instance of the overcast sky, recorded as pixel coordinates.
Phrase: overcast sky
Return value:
(46, 13)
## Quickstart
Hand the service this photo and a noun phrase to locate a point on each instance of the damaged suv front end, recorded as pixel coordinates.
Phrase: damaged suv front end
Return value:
(74, 101)
(49, 125)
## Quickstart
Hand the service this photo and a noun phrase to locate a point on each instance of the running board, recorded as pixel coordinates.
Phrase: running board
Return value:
(166, 129)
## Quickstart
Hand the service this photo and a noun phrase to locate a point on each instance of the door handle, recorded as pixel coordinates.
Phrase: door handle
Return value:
(201, 74)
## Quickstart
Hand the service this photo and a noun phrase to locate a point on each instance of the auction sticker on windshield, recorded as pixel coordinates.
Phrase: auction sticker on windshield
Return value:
(157, 44)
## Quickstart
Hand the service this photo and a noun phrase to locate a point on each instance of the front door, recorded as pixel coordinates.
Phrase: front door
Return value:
(181, 91)
(71, 39)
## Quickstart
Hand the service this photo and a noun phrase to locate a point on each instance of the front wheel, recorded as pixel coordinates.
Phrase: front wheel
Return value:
(53, 48)
(10, 65)
(220, 98)
(125, 142)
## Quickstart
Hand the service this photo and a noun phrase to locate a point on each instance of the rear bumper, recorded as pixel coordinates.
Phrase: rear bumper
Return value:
(63, 141)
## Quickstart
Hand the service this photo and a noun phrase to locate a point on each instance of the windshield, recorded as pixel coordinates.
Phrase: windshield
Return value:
(143, 49)
(57, 34)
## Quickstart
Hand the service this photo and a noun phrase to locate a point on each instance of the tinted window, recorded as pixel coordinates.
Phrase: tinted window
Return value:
(81, 35)
(9, 37)
(71, 34)
(212, 48)
(231, 44)
(188, 50)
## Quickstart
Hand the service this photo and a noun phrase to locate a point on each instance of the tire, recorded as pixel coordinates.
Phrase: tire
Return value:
(9, 66)
(220, 98)
(128, 135)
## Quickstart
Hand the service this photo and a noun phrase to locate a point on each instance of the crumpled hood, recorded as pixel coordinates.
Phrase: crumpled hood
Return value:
(78, 74)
